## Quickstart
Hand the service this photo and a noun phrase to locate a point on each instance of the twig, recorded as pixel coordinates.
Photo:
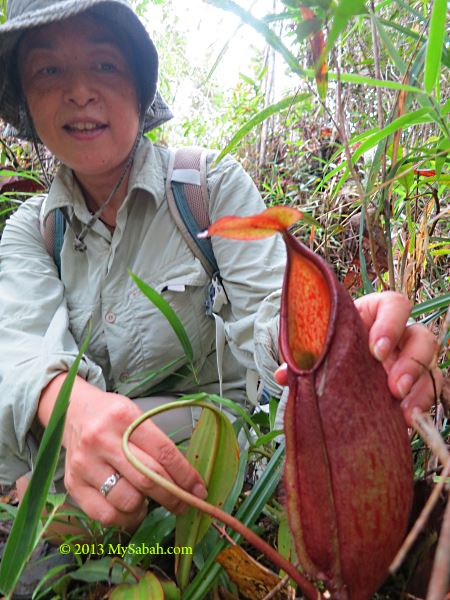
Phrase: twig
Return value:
(381, 124)
(426, 429)
(440, 575)
(378, 75)
(277, 588)
(421, 520)
(344, 139)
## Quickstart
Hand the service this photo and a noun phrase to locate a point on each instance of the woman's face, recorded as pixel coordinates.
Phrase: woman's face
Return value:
(81, 94)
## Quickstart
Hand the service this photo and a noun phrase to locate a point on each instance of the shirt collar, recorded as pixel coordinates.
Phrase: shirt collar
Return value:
(147, 173)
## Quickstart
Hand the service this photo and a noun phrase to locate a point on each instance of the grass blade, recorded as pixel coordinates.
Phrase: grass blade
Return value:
(22, 538)
(259, 118)
(441, 302)
(168, 312)
(271, 38)
(435, 43)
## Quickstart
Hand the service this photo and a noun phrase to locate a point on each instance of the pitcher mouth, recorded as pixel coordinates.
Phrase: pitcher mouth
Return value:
(304, 348)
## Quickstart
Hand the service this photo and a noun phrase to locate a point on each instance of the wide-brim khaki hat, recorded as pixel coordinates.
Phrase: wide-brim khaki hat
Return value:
(23, 15)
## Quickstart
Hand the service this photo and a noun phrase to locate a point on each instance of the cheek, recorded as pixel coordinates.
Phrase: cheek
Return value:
(41, 109)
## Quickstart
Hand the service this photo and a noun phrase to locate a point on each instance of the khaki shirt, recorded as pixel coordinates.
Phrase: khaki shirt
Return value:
(43, 319)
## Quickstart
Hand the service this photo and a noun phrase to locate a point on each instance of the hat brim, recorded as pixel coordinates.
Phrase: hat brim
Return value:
(115, 13)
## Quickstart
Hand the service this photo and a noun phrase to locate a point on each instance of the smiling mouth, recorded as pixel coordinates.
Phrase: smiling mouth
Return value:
(84, 127)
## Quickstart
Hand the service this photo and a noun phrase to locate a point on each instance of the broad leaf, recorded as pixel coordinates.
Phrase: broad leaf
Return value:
(147, 588)
(247, 513)
(214, 452)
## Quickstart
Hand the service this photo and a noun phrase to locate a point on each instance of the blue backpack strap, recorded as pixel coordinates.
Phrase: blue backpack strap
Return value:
(203, 244)
(188, 200)
(52, 230)
(58, 240)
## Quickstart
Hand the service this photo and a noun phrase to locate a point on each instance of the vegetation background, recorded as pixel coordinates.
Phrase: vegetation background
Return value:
(339, 108)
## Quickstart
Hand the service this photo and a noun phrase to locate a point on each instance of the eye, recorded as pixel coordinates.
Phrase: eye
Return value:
(48, 70)
(107, 67)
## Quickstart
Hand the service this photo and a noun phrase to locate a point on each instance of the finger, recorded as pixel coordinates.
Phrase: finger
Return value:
(417, 349)
(385, 315)
(280, 375)
(422, 395)
(124, 496)
(153, 442)
(99, 508)
(143, 484)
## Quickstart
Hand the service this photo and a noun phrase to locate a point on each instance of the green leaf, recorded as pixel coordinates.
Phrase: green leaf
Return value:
(261, 27)
(23, 536)
(147, 588)
(267, 438)
(171, 591)
(396, 58)
(414, 118)
(168, 312)
(446, 108)
(157, 526)
(400, 28)
(99, 570)
(435, 43)
(406, 180)
(148, 376)
(441, 302)
(259, 118)
(214, 453)
(344, 11)
(444, 144)
(370, 81)
(247, 513)
(286, 546)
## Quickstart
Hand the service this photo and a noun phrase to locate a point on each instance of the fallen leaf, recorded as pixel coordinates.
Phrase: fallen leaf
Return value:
(252, 579)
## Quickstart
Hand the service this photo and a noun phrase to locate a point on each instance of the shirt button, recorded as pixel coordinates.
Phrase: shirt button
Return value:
(110, 317)
(124, 377)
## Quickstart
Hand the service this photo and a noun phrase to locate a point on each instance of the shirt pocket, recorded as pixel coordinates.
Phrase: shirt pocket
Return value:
(185, 289)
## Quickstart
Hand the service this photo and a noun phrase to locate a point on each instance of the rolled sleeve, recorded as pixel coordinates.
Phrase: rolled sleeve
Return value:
(35, 340)
(252, 274)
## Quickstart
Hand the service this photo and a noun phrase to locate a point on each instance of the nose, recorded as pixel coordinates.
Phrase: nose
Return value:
(80, 88)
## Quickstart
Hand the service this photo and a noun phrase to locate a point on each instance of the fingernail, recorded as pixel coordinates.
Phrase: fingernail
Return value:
(200, 491)
(382, 348)
(404, 384)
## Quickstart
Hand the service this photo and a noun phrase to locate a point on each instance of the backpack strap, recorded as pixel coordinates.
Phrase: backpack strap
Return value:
(188, 200)
(52, 230)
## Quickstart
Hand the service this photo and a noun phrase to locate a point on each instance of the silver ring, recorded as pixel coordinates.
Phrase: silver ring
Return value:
(109, 484)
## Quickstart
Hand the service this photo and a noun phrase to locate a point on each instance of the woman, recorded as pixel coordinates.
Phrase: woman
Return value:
(81, 77)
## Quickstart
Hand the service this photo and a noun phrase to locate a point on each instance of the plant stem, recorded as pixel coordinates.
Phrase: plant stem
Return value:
(420, 521)
(304, 584)
(440, 575)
